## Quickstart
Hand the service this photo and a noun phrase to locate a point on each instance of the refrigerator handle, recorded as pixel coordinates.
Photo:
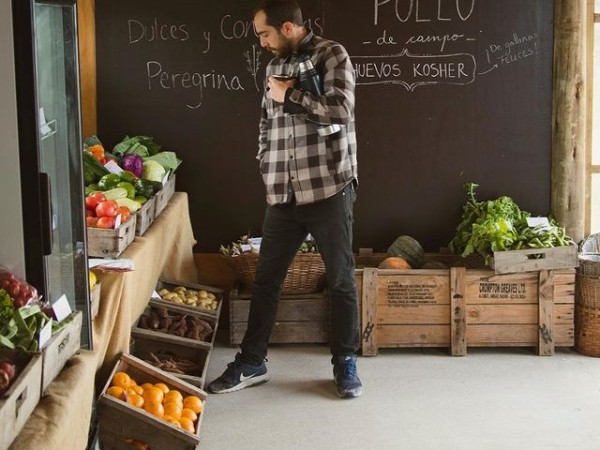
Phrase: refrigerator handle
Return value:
(46, 201)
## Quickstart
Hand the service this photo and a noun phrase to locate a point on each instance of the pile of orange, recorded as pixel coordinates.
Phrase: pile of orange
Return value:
(159, 400)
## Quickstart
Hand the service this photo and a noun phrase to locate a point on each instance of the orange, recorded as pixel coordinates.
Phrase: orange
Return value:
(153, 407)
(135, 400)
(173, 395)
(121, 379)
(188, 413)
(172, 421)
(137, 389)
(173, 409)
(116, 391)
(153, 393)
(162, 386)
(194, 403)
(147, 385)
(187, 424)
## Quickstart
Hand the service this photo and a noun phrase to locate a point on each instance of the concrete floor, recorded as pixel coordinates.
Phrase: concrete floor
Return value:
(505, 399)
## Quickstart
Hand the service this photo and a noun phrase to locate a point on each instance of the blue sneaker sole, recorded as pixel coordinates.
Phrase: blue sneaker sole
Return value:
(350, 394)
(259, 379)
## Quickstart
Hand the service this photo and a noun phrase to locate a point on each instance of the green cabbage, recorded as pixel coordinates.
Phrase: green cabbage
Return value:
(153, 171)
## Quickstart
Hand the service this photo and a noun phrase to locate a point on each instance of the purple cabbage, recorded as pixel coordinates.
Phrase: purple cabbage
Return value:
(133, 163)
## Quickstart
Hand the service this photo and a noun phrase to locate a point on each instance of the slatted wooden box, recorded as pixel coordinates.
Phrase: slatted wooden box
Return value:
(21, 398)
(171, 285)
(108, 242)
(145, 344)
(178, 310)
(120, 422)
(459, 308)
(145, 216)
(534, 259)
(164, 195)
(301, 318)
(63, 345)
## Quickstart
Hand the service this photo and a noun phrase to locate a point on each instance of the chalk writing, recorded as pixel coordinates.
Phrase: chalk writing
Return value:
(159, 78)
(253, 63)
(406, 10)
(518, 48)
(441, 39)
(411, 71)
(155, 31)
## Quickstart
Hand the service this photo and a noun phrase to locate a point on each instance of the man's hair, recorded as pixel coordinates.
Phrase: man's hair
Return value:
(280, 11)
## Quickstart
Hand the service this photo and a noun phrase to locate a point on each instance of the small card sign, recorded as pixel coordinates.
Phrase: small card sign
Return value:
(113, 167)
(45, 334)
(541, 222)
(155, 295)
(61, 308)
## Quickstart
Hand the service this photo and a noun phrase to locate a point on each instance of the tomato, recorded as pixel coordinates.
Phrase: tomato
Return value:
(92, 201)
(106, 222)
(124, 212)
(4, 284)
(107, 209)
(90, 213)
(14, 288)
(91, 222)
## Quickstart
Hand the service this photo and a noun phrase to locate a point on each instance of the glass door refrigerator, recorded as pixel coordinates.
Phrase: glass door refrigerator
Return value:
(50, 145)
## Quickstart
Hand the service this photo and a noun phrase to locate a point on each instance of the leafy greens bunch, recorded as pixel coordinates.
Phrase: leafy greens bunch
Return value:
(498, 225)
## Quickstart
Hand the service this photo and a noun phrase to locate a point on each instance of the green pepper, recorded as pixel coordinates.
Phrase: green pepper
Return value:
(127, 176)
(141, 199)
(109, 181)
(129, 188)
(144, 188)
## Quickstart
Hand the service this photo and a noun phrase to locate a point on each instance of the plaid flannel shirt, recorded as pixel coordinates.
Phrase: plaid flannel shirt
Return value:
(293, 157)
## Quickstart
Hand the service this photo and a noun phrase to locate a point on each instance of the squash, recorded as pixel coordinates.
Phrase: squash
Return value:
(394, 262)
(408, 248)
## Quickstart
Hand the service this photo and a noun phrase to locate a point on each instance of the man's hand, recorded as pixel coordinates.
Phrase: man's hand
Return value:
(277, 88)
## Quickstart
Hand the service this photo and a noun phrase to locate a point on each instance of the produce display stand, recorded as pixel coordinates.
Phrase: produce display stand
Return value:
(301, 318)
(120, 421)
(17, 404)
(64, 414)
(461, 307)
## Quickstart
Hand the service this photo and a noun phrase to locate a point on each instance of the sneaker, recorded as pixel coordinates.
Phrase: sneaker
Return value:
(345, 376)
(239, 375)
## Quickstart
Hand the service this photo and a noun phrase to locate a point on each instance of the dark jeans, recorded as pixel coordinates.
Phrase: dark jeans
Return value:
(284, 229)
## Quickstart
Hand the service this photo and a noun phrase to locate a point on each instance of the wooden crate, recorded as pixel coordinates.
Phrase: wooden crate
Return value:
(145, 216)
(164, 195)
(21, 398)
(110, 243)
(176, 309)
(459, 307)
(143, 345)
(172, 284)
(301, 318)
(119, 421)
(60, 348)
(514, 261)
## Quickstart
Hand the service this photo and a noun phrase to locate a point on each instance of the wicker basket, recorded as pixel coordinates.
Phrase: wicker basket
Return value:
(305, 275)
(587, 315)
(589, 264)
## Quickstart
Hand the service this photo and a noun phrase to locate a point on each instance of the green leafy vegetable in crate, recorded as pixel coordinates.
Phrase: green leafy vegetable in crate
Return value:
(499, 225)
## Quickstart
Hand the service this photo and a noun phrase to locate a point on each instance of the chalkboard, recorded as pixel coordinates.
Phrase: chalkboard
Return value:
(448, 91)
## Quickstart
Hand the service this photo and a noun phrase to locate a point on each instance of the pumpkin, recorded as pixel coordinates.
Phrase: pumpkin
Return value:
(408, 248)
(394, 262)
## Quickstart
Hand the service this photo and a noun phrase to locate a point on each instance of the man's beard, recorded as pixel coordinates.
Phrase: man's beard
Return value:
(284, 50)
